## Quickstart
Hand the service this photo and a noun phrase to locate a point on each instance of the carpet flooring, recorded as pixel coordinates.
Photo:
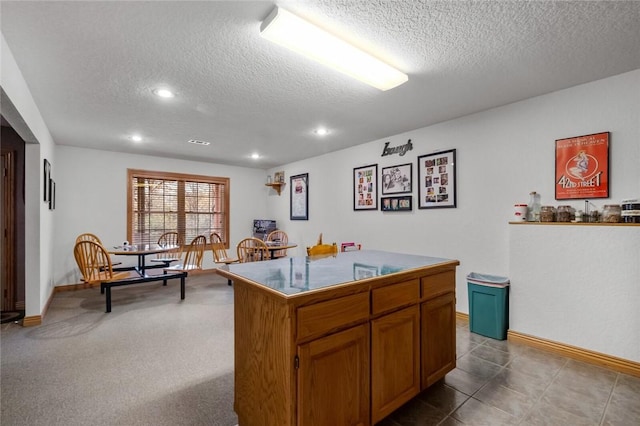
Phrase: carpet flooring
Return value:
(154, 360)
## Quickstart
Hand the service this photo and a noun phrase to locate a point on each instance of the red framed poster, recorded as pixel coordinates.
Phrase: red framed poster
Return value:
(582, 167)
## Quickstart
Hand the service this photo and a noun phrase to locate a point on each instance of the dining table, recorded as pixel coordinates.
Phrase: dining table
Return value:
(141, 251)
(274, 246)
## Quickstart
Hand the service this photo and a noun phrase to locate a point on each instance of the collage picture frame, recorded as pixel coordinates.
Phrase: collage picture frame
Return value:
(437, 180)
(365, 187)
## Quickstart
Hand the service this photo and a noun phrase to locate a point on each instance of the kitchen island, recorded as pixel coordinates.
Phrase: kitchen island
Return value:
(339, 340)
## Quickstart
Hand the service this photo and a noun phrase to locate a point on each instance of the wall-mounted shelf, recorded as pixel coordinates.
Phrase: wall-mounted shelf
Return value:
(575, 223)
(276, 185)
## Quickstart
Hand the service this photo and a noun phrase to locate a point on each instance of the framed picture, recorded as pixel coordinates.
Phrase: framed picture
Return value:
(299, 199)
(52, 194)
(396, 204)
(437, 180)
(365, 187)
(397, 179)
(46, 178)
(582, 167)
(362, 271)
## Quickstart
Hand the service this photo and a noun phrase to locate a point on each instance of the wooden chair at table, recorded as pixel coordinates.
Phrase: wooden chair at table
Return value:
(174, 255)
(96, 267)
(320, 248)
(95, 263)
(87, 236)
(220, 252)
(252, 250)
(192, 257)
(280, 237)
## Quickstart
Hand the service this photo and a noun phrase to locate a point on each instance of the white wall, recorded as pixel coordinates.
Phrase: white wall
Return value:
(502, 155)
(91, 196)
(578, 285)
(38, 218)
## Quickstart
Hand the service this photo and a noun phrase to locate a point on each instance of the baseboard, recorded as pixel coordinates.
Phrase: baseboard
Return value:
(461, 316)
(585, 355)
(32, 320)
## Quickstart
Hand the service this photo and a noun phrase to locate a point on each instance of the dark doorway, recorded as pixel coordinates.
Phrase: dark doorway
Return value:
(12, 250)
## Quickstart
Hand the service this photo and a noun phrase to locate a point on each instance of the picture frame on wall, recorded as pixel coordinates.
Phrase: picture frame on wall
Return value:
(52, 194)
(582, 167)
(396, 204)
(46, 179)
(299, 197)
(365, 187)
(437, 180)
(397, 179)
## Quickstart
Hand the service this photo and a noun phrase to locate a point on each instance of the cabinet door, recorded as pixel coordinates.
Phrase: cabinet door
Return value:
(395, 361)
(438, 338)
(333, 379)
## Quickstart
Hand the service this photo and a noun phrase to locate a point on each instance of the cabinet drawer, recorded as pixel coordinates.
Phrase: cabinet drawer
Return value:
(326, 316)
(435, 285)
(393, 296)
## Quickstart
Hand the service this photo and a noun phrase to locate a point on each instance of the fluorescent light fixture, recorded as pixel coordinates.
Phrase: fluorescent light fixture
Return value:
(286, 29)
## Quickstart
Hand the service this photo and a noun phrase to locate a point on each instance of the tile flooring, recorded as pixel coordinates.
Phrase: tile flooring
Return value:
(504, 383)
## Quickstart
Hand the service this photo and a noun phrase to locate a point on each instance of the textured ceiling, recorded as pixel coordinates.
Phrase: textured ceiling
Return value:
(91, 67)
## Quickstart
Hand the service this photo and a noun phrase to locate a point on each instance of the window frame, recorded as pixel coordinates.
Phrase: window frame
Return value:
(184, 177)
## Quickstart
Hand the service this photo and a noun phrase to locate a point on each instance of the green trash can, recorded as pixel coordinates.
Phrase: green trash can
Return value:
(488, 305)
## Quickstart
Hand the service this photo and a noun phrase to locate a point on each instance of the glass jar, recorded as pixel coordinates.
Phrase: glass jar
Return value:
(563, 214)
(547, 214)
(611, 213)
(533, 209)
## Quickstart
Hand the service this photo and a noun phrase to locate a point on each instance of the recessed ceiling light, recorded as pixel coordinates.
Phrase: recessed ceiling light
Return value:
(321, 131)
(136, 138)
(255, 156)
(164, 93)
(197, 142)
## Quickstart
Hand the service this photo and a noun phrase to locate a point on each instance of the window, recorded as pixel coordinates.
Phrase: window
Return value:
(159, 202)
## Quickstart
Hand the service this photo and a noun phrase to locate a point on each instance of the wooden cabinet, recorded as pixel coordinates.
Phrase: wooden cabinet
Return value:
(333, 379)
(395, 361)
(438, 338)
(348, 354)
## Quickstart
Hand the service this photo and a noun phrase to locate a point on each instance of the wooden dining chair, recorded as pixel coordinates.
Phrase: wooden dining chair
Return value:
(175, 255)
(95, 263)
(252, 250)
(279, 237)
(219, 251)
(322, 249)
(87, 236)
(192, 257)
